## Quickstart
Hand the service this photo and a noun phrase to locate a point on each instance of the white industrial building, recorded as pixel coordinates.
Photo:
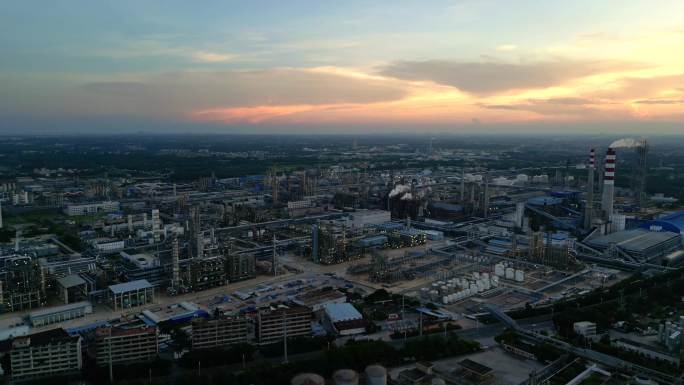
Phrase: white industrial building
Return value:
(344, 319)
(92, 208)
(585, 328)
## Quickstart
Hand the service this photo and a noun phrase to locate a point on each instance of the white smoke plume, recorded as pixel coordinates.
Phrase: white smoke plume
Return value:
(628, 143)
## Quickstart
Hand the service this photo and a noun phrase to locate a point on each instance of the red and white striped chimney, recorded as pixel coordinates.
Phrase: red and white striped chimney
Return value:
(608, 185)
(589, 205)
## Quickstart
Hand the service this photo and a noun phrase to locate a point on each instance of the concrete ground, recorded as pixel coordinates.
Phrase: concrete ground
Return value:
(508, 368)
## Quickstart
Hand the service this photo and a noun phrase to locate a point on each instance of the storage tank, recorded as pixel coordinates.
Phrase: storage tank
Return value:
(499, 270)
(476, 275)
(376, 375)
(345, 377)
(480, 286)
(487, 284)
(473, 288)
(307, 379)
(519, 276)
(434, 294)
(510, 273)
(495, 281)
(485, 276)
(445, 300)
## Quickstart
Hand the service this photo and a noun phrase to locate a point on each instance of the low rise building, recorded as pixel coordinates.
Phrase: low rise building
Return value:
(317, 300)
(92, 208)
(46, 354)
(649, 351)
(585, 329)
(344, 319)
(52, 315)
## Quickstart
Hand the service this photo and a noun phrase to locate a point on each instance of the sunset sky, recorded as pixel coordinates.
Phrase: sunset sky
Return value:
(341, 66)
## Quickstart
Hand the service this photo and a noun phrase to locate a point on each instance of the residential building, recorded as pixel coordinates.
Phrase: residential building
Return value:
(218, 332)
(120, 346)
(276, 321)
(46, 354)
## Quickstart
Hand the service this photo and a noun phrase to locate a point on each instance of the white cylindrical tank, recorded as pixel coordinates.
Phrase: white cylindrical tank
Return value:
(445, 300)
(307, 379)
(473, 288)
(487, 284)
(485, 276)
(376, 375)
(499, 270)
(495, 281)
(510, 273)
(519, 276)
(345, 377)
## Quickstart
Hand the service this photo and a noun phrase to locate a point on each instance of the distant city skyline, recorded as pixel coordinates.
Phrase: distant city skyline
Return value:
(342, 67)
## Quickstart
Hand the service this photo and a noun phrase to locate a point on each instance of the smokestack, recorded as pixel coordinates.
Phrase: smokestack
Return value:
(175, 281)
(589, 209)
(608, 185)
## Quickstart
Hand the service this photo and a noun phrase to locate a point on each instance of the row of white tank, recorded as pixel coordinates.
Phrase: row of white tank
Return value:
(508, 272)
(456, 289)
(472, 258)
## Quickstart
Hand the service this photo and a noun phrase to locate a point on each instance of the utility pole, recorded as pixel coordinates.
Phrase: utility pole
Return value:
(111, 369)
(421, 324)
(285, 337)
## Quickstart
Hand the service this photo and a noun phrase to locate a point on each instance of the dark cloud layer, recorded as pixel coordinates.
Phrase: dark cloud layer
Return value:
(203, 89)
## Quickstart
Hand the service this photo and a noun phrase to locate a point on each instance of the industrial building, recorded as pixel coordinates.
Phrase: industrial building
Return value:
(276, 321)
(317, 300)
(130, 294)
(92, 208)
(207, 272)
(218, 332)
(72, 288)
(673, 223)
(120, 346)
(23, 284)
(585, 329)
(638, 244)
(176, 313)
(46, 354)
(343, 319)
(240, 267)
(62, 313)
